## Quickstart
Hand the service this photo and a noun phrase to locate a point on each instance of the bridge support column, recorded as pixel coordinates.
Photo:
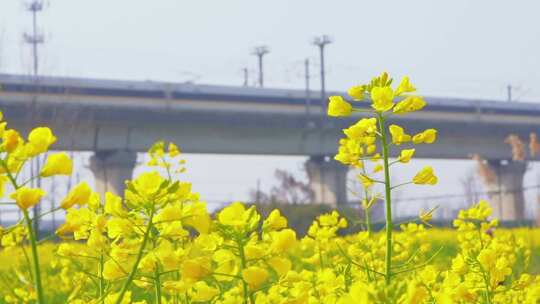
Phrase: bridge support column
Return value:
(111, 169)
(505, 187)
(328, 180)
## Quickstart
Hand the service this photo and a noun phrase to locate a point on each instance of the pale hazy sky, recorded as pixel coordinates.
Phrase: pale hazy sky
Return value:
(459, 47)
(467, 48)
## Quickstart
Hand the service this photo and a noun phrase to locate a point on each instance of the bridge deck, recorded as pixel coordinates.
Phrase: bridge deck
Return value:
(93, 114)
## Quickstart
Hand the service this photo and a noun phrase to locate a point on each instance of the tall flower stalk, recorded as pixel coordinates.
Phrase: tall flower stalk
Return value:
(388, 198)
(15, 153)
(371, 139)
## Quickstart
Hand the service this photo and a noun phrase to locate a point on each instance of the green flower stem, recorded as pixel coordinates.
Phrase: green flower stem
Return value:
(35, 257)
(101, 279)
(131, 275)
(367, 212)
(247, 296)
(157, 285)
(388, 199)
(33, 237)
(177, 277)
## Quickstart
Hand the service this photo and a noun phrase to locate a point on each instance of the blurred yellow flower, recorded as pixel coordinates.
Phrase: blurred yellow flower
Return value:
(11, 140)
(27, 197)
(57, 164)
(426, 137)
(398, 135)
(383, 98)
(339, 107)
(425, 177)
(173, 150)
(405, 86)
(275, 221)
(357, 92)
(237, 216)
(195, 269)
(409, 104)
(202, 292)
(283, 240)
(255, 277)
(3, 180)
(365, 180)
(80, 195)
(406, 155)
(39, 140)
(280, 265)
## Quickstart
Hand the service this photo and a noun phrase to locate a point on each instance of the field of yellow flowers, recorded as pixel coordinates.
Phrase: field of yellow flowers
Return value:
(157, 243)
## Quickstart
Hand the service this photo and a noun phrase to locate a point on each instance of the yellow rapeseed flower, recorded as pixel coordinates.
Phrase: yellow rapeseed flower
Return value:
(80, 194)
(398, 135)
(3, 180)
(405, 86)
(275, 221)
(254, 252)
(113, 205)
(27, 197)
(406, 155)
(283, 240)
(255, 276)
(39, 140)
(357, 92)
(426, 216)
(147, 184)
(280, 265)
(237, 216)
(339, 107)
(201, 292)
(173, 150)
(383, 98)
(425, 177)
(409, 104)
(3, 126)
(195, 269)
(364, 130)
(426, 137)
(365, 180)
(57, 164)
(11, 140)
(113, 297)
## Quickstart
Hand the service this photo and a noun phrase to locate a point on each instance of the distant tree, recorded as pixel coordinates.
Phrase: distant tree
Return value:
(471, 187)
(518, 147)
(288, 190)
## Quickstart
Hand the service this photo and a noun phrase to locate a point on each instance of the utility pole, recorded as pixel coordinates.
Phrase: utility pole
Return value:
(260, 51)
(308, 91)
(509, 92)
(321, 42)
(258, 195)
(35, 39)
(246, 76)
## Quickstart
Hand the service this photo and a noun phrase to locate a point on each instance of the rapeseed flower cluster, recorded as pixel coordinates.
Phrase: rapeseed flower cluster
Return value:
(157, 242)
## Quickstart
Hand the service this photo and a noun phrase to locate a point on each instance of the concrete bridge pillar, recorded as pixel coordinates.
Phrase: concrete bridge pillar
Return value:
(505, 189)
(328, 180)
(111, 169)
